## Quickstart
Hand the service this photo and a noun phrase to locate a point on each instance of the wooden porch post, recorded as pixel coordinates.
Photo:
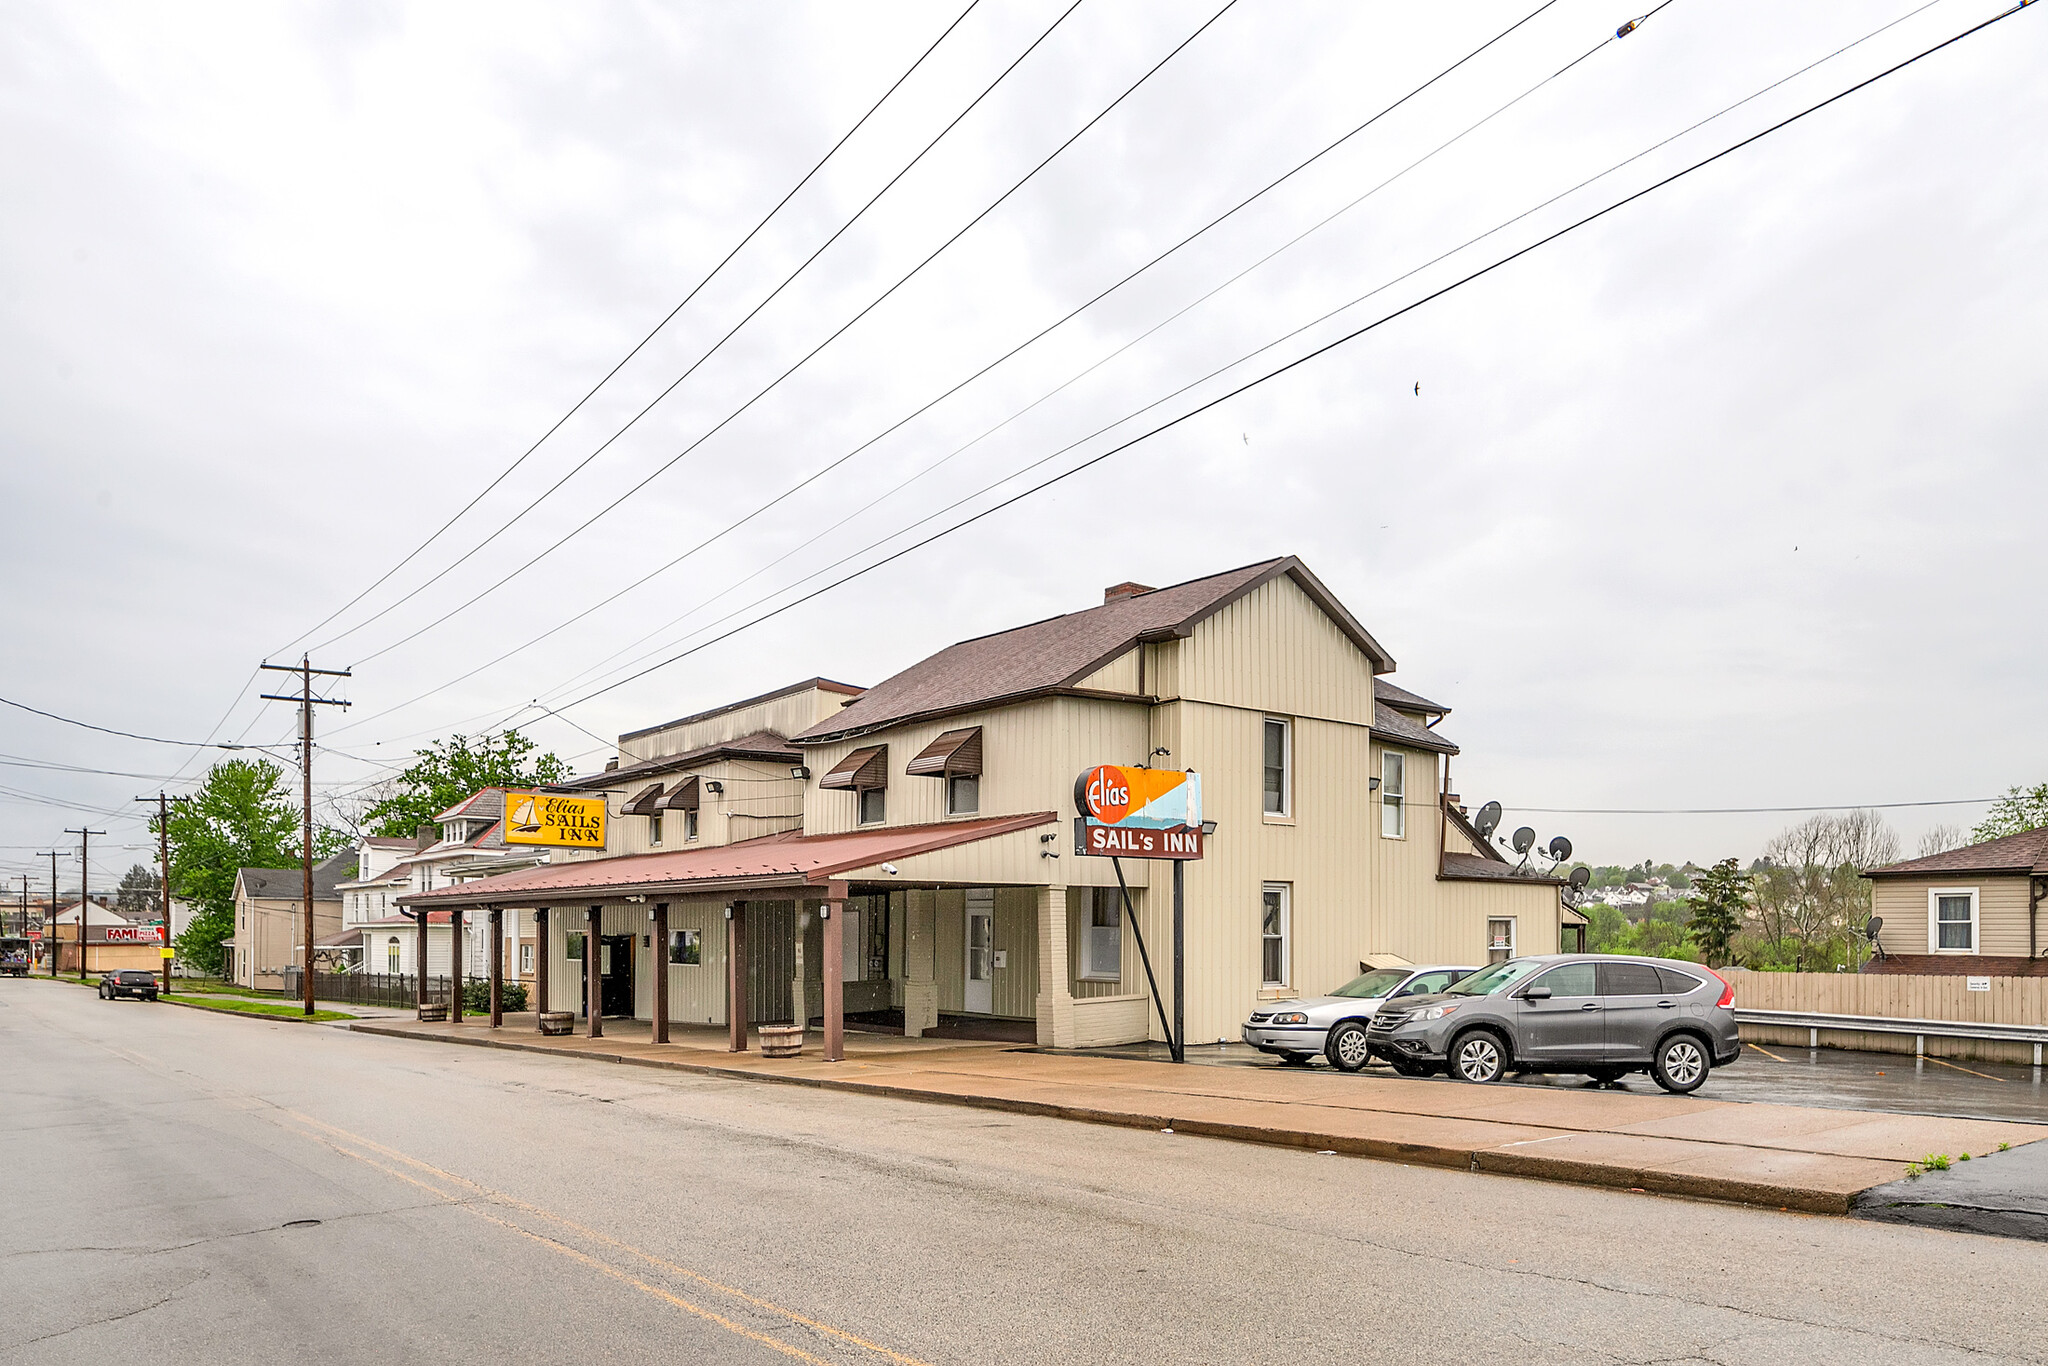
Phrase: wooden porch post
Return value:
(455, 966)
(420, 963)
(540, 964)
(736, 1029)
(661, 972)
(593, 961)
(835, 974)
(498, 965)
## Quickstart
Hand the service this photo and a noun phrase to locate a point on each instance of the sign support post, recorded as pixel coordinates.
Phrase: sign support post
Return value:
(1180, 961)
(1143, 957)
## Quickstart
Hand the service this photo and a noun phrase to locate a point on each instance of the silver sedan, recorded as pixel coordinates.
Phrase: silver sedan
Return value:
(1296, 1030)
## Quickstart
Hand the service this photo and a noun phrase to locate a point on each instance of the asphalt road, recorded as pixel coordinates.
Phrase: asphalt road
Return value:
(474, 1205)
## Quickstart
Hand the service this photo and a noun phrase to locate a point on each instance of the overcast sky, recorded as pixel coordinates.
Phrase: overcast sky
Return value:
(1731, 499)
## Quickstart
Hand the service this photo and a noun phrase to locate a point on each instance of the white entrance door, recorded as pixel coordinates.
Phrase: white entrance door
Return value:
(979, 997)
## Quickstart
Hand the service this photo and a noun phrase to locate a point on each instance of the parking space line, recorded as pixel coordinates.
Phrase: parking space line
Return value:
(1986, 1075)
(1761, 1049)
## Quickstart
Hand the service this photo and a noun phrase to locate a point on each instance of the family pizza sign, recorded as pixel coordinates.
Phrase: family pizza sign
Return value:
(1138, 813)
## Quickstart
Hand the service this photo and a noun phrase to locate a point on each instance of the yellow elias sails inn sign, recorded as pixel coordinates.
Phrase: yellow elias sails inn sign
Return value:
(549, 818)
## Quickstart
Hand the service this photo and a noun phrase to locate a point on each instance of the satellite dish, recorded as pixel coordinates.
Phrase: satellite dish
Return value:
(1560, 849)
(1580, 876)
(1488, 820)
(1524, 837)
(1876, 924)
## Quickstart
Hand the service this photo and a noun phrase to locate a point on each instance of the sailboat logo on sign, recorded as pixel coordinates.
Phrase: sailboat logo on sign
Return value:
(1138, 813)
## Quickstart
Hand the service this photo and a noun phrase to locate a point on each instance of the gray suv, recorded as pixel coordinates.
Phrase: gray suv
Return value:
(1593, 1013)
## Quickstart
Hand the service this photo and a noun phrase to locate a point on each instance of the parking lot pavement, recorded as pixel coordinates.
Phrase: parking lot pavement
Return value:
(1824, 1078)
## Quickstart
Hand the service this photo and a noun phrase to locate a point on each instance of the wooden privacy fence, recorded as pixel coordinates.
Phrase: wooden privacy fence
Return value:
(2010, 1001)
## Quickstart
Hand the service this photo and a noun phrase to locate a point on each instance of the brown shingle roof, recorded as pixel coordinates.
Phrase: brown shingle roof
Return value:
(1060, 651)
(821, 684)
(1395, 695)
(1392, 726)
(2026, 852)
(1473, 868)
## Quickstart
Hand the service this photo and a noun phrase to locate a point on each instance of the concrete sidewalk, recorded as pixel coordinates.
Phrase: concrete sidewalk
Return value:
(1775, 1155)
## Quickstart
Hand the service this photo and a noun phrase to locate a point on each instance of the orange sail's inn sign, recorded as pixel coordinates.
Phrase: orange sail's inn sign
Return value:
(1138, 813)
(551, 818)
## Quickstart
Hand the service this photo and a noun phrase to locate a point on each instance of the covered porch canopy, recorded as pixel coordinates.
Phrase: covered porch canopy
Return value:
(786, 866)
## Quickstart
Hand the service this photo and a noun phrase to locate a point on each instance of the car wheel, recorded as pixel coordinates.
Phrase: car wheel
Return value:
(1605, 1076)
(1346, 1047)
(1681, 1064)
(1479, 1056)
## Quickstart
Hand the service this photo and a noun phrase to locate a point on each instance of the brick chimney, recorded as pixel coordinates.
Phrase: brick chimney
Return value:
(1124, 590)
(426, 835)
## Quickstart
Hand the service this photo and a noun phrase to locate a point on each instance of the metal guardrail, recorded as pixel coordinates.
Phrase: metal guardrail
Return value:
(1813, 1023)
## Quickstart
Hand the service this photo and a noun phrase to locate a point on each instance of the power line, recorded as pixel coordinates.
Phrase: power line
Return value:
(108, 730)
(667, 318)
(1042, 333)
(806, 358)
(715, 346)
(1737, 810)
(1323, 349)
(826, 532)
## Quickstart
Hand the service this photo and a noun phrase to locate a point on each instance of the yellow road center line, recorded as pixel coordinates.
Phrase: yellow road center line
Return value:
(513, 1201)
(787, 1349)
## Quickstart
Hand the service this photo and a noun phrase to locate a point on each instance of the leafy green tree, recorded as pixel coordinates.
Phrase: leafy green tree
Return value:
(449, 770)
(242, 816)
(2018, 811)
(140, 896)
(1718, 904)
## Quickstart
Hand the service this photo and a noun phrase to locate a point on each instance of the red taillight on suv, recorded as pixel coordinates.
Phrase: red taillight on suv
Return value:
(1727, 1001)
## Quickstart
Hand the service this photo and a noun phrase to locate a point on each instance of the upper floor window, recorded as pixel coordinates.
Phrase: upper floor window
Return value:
(1279, 762)
(874, 805)
(654, 831)
(1952, 920)
(963, 794)
(689, 825)
(1393, 795)
(865, 773)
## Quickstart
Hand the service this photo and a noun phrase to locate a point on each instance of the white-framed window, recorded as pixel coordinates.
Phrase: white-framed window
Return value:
(1952, 920)
(1275, 913)
(654, 830)
(963, 794)
(526, 958)
(689, 826)
(874, 805)
(1278, 756)
(1393, 795)
(1102, 936)
(393, 955)
(1500, 939)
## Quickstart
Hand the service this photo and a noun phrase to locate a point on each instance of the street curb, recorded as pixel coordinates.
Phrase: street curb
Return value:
(1725, 1190)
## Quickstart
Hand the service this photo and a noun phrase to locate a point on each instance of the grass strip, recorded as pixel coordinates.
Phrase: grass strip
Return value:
(275, 1009)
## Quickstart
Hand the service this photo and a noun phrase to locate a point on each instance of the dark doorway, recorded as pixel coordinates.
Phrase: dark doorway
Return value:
(615, 957)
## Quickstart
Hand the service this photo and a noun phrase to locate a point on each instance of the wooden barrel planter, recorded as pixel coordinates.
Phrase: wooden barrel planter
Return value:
(558, 1022)
(434, 1012)
(782, 1041)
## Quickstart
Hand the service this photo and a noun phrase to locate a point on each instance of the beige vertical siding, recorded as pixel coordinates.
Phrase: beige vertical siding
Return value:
(784, 715)
(2001, 913)
(758, 799)
(1274, 649)
(1119, 675)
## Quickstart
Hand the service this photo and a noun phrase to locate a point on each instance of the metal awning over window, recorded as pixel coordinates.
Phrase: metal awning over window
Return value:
(957, 753)
(862, 771)
(681, 796)
(644, 804)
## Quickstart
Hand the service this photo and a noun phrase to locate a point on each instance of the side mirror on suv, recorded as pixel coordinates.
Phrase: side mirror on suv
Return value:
(1536, 993)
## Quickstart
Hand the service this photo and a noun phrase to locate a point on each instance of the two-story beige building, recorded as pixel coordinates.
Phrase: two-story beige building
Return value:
(936, 810)
(270, 924)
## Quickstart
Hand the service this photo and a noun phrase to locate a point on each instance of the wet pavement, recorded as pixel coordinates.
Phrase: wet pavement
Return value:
(1824, 1078)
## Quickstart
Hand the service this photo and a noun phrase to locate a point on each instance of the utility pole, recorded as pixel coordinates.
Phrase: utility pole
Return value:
(305, 670)
(84, 889)
(50, 934)
(163, 845)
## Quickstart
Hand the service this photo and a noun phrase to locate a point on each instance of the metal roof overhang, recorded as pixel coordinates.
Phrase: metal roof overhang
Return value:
(773, 862)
